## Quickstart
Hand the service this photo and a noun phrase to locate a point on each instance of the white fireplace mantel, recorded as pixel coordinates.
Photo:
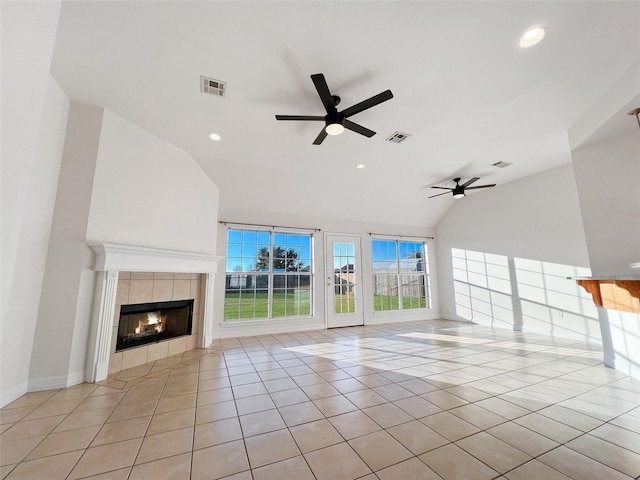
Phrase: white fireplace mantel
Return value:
(109, 261)
(111, 257)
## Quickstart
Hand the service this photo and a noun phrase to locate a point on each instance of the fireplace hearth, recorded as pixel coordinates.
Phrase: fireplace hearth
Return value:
(145, 323)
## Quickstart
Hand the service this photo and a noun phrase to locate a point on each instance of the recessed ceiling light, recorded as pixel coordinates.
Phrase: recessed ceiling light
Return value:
(532, 36)
(215, 137)
(360, 165)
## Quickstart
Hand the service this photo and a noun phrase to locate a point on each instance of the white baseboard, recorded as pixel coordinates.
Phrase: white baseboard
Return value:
(100, 372)
(609, 361)
(60, 381)
(246, 329)
(252, 328)
(8, 395)
(624, 365)
(455, 318)
(379, 320)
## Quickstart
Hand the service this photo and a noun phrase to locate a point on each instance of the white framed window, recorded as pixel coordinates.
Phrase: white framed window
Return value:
(400, 274)
(269, 274)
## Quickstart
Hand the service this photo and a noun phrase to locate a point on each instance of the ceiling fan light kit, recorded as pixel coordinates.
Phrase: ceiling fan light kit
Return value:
(334, 128)
(336, 122)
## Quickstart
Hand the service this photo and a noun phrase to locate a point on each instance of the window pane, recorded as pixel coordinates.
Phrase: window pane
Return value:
(385, 292)
(281, 259)
(291, 295)
(249, 236)
(392, 291)
(391, 267)
(292, 239)
(249, 265)
(305, 255)
(231, 312)
(273, 292)
(301, 303)
(409, 264)
(234, 236)
(264, 238)
(280, 239)
(262, 259)
(249, 250)
(413, 291)
(234, 264)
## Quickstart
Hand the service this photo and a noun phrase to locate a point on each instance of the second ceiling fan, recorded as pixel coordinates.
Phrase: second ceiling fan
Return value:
(335, 121)
(458, 190)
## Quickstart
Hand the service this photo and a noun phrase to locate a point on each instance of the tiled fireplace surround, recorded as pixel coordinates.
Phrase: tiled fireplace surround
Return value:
(129, 275)
(147, 287)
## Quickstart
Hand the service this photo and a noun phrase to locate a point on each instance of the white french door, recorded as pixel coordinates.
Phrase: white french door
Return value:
(343, 281)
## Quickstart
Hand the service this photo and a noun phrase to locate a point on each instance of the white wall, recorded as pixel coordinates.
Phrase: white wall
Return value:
(118, 184)
(625, 341)
(149, 193)
(325, 225)
(504, 253)
(47, 279)
(58, 358)
(608, 175)
(34, 112)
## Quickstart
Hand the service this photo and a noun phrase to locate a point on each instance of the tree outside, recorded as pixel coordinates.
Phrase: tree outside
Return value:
(283, 260)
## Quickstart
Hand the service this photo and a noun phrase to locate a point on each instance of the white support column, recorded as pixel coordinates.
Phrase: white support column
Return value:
(607, 342)
(516, 306)
(106, 288)
(206, 336)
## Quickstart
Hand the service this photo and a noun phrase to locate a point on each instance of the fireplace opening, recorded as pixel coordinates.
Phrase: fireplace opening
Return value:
(144, 323)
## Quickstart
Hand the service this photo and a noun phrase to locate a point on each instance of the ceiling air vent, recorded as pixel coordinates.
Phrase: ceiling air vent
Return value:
(398, 137)
(213, 86)
(501, 164)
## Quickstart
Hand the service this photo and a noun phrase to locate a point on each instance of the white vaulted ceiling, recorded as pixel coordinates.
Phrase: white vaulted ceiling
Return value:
(464, 90)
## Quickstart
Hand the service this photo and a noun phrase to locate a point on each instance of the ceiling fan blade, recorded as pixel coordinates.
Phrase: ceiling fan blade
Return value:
(354, 127)
(368, 103)
(437, 195)
(469, 182)
(299, 117)
(481, 186)
(443, 188)
(321, 136)
(323, 91)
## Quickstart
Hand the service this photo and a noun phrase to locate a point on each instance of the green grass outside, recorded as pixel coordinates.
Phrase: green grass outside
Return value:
(299, 304)
(284, 305)
(345, 304)
(383, 302)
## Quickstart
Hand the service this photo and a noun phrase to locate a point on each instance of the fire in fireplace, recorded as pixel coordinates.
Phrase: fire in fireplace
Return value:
(144, 323)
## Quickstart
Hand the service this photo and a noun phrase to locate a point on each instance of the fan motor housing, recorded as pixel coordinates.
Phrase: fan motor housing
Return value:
(334, 118)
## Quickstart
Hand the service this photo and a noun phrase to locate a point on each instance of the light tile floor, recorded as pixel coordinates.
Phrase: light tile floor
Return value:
(419, 400)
